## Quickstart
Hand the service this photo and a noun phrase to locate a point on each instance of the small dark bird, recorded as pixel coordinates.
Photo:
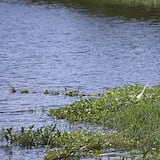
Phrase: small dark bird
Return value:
(13, 90)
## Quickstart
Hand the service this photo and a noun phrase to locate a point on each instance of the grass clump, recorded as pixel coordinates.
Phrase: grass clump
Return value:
(119, 109)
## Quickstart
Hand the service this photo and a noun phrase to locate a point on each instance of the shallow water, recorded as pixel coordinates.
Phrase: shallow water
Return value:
(53, 46)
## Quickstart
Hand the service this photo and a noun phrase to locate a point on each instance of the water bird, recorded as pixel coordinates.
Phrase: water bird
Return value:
(141, 94)
(13, 90)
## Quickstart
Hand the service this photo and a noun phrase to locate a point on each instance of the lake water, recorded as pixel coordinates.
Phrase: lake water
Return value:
(56, 46)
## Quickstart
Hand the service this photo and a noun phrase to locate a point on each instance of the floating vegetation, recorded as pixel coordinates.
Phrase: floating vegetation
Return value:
(120, 110)
(14, 90)
(72, 93)
(132, 112)
(28, 137)
(53, 92)
(83, 143)
(65, 145)
(24, 91)
(46, 92)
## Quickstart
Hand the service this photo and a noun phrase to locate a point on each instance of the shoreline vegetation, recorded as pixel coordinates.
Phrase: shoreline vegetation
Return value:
(125, 8)
(131, 3)
(132, 113)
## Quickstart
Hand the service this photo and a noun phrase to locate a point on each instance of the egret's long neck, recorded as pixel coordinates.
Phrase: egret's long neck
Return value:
(144, 89)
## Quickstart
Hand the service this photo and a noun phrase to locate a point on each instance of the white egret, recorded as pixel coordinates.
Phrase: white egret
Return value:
(141, 94)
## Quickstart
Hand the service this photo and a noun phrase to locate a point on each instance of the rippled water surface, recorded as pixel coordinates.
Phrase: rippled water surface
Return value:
(52, 46)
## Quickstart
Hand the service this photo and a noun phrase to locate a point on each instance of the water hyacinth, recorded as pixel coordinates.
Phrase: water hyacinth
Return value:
(83, 143)
(134, 120)
(121, 110)
(65, 145)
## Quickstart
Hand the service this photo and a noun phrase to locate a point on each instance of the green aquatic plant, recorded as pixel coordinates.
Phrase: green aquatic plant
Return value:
(7, 135)
(135, 124)
(53, 93)
(120, 110)
(24, 91)
(46, 92)
(66, 145)
(72, 93)
(83, 143)
(28, 137)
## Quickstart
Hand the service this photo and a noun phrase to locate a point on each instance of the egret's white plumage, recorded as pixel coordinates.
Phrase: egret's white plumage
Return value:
(141, 94)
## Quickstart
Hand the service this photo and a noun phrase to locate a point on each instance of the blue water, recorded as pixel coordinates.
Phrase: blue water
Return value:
(55, 47)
